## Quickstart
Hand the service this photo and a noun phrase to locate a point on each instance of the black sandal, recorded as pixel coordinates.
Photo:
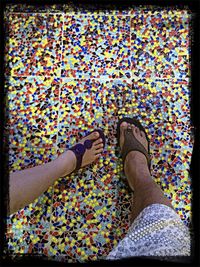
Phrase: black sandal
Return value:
(79, 149)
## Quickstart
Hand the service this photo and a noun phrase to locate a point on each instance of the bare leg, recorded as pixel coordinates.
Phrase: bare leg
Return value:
(146, 191)
(28, 184)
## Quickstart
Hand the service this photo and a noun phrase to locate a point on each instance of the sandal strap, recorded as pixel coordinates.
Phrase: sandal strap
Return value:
(79, 151)
(132, 144)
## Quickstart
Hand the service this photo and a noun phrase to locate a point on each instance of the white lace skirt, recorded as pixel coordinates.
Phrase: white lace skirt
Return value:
(157, 231)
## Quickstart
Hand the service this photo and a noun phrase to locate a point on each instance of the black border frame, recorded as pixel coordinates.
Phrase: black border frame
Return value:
(194, 6)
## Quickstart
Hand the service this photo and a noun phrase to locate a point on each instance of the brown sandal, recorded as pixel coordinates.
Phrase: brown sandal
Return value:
(130, 142)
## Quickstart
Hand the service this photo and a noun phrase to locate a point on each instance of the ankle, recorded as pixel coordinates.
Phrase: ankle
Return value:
(136, 169)
(136, 161)
(136, 156)
(67, 162)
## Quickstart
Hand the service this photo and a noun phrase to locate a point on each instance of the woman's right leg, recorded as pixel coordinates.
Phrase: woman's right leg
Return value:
(146, 191)
(156, 229)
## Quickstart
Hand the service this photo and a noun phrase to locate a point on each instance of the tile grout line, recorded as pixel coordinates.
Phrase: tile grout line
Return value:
(61, 80)
(108, 79)
(30, 13)
(131, 52)
(81, 14)
(70, 14)
(57, 148)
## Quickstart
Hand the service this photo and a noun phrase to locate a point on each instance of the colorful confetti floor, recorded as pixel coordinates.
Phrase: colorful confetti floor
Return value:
(70, 70)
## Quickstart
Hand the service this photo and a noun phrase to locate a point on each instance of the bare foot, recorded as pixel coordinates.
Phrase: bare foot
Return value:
(95, 151)
(89, 156)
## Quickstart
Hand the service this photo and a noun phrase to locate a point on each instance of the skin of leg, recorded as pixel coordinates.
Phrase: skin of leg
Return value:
(146, 191)
(28, 184)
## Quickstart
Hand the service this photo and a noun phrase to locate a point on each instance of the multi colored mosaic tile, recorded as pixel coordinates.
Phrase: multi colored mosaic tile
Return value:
(176, 102)
(176, 114)
(149, 100)
(88, 210)
(71, 69)
(170, 169)
(26, 8)
(96, 46)
(83, 246)
(22, 158)
(72, 8)
(97, 9)
(88, 195)
(32, 110)
(29, 242)
(83, 104)
(161, 48)
(33, 46)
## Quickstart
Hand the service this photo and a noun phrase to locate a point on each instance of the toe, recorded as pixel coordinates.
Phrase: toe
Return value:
(97, 151)
(92, 136)
(136, 130)
(129, 126)
(99, 145)
(97, 156)
(98, 141)
(123, 126)
(142, 134)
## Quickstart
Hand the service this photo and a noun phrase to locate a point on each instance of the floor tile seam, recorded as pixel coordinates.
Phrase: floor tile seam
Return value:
(69, 14)
(35, 13)
(118, 15)
(53, 185)
(90, 15)
(131, 64)
(53, 191)
(159, 150)
(154, 78)
(129, 70)
(65, 77)
(60, 84)
(96, 15)
(106, 79)
(94, 78)
(186, 16)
